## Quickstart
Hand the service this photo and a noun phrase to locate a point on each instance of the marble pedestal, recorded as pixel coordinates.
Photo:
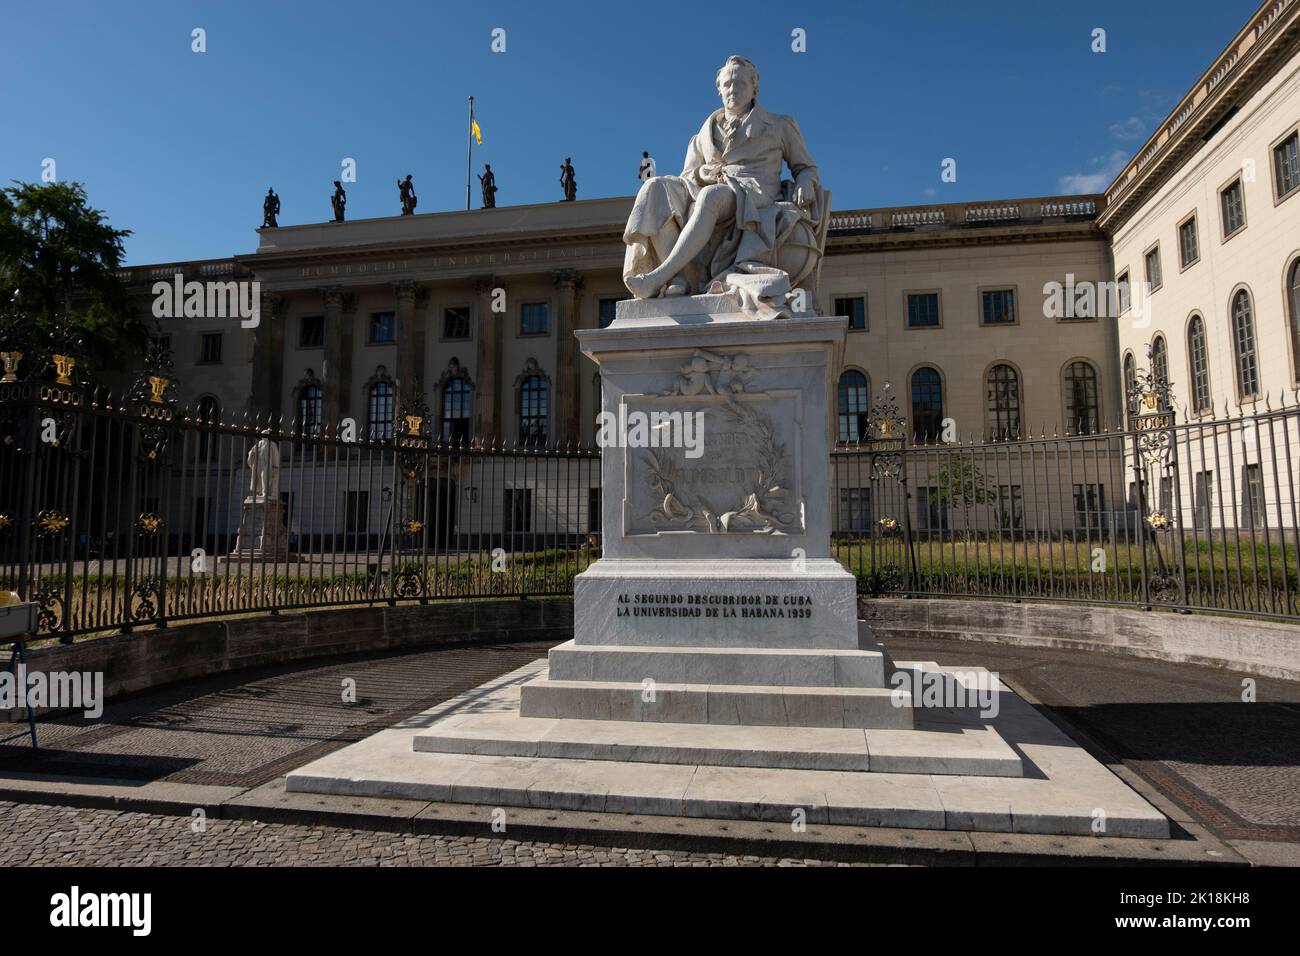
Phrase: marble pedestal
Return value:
(262, 535)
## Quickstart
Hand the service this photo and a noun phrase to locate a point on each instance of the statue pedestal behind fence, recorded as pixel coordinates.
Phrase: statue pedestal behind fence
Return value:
(715, 492)
(262, 534)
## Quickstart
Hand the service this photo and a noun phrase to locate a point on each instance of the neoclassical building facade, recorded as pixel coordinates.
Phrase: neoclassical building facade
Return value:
(972, 313)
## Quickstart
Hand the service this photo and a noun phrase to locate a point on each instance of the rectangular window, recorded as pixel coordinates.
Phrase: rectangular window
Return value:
(922, 310)
(855, 509)
(998, 306)
(593, 511)
(1286, 165)
(1121, 287)
(1232, 204)
(455, 322)
(518, 510)
(1204, 491)
(931, 509)
(356, 518)
(1153, 268)
(1089, 506)
(1166, 494)
(854, 308)
(210, 348)
(1188, 248)
(1010, 505)
(311, 332)
(1252, 497)
(534, 318)
(383, 327)
(608, 309)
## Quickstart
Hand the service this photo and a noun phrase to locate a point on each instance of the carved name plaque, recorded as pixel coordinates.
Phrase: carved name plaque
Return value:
(739, 474)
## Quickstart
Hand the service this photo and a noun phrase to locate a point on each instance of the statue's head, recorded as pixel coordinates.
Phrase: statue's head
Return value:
(737, 83)
(338, 184)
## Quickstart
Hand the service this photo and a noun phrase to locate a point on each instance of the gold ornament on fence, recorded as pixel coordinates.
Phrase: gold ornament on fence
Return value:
(157, 385)
(11, 360)
(63, 366)
(1157, 521)
(889, 524)
(414, 527)
(413, 423)
(51, 522)
(149, 523)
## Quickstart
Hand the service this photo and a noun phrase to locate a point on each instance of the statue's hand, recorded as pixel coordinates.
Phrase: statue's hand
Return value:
(804, 195)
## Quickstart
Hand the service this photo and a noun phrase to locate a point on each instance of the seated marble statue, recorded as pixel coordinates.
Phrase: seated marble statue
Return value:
(729, 223)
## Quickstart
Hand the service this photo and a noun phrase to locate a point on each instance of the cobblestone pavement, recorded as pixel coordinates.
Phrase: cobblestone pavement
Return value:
(33, 835)
(243, 729)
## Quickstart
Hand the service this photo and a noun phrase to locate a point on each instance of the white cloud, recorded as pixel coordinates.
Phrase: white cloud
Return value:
(1097, 180)
(1132, 128)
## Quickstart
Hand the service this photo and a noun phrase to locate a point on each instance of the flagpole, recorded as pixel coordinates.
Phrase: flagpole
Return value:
(469, 149)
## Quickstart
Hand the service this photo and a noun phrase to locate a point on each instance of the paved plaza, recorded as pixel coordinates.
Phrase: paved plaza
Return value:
(1180, 733)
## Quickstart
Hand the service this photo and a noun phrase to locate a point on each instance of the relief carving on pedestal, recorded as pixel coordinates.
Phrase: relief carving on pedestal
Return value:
(745, 487)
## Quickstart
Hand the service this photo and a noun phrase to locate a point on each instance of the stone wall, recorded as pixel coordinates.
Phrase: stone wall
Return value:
(151, 658)
(1267, 648)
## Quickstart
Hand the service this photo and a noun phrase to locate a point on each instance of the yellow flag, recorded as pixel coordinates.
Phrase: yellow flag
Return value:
(474, 128)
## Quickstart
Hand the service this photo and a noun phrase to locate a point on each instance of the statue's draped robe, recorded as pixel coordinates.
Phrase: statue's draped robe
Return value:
(748, 162)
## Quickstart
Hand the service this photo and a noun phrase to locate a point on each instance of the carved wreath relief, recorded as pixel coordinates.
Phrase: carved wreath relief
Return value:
(743, 484)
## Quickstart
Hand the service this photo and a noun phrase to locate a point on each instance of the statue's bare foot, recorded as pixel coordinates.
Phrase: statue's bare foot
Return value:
(642, 286)
(676, 287)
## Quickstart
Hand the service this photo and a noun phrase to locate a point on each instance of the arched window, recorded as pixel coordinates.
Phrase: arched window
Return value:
(209, 413)
(1082, 415)
(1198, 365)
(532, 410)
(309, 410)
(1243, 341)
(455, 411)
(1160, 363)
(1130, 383)
(854, 401)
(927, 404)
(1002, 403)
(379, 411)
(1293, 306)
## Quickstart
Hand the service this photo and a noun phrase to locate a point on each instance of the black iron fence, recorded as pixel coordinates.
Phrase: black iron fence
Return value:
(120, 512)
(1197, 515)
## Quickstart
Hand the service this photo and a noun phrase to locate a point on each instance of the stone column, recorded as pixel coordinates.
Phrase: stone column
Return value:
(347, 331)
(487, 370)
(332, 296)
(266, 396)
(568, 398)
(410, 338)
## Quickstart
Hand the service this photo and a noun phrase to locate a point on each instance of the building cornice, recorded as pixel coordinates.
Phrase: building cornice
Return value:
(1267, 40)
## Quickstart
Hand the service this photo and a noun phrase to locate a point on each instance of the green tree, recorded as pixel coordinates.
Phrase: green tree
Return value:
(960, 484)
(58, 258)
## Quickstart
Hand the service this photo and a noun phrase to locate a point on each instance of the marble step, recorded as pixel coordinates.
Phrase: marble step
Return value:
(973, 751)
(750, 705)
(772, 667)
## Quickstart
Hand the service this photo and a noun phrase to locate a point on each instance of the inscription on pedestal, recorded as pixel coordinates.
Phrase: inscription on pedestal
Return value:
(752, 605)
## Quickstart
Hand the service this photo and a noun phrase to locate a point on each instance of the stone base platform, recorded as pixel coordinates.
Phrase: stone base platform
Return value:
(709, 704)
(1063, 789)
(938, 748)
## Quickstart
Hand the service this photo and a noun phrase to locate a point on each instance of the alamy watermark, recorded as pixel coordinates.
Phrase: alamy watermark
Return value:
(638, 429)
(209, 300)
(58, 690)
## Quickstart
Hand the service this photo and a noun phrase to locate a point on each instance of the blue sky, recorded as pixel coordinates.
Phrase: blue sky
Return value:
(180, 146)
